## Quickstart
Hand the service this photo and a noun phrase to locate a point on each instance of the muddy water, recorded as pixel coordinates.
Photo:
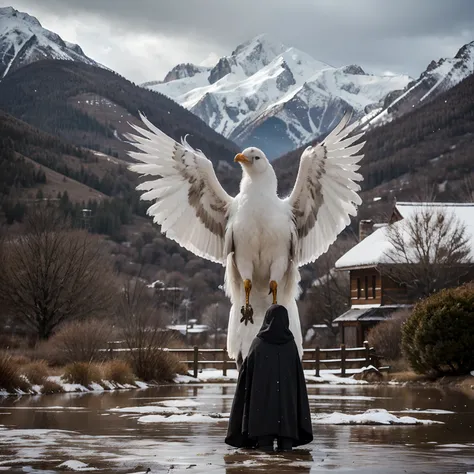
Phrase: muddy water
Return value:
(39, 434)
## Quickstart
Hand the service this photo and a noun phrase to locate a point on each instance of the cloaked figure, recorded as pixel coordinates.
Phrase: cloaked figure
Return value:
(271, 401)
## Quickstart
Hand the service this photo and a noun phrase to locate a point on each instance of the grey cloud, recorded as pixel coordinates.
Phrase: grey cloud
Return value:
(401, 36)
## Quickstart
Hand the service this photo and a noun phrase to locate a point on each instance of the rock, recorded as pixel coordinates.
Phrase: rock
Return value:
(370, 374)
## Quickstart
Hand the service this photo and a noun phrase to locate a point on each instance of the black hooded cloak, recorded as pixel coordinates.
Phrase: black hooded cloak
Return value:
(271, 397)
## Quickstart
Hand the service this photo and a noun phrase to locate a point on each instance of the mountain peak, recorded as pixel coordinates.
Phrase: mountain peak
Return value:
(23, 40)
(273, 96)
(22, 16)
(466, 52)
(259, 52)
(260, 43)
(354, 69)
(184, 70)
(438, 77)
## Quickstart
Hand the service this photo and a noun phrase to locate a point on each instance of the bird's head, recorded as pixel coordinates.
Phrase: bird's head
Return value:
(253, 160)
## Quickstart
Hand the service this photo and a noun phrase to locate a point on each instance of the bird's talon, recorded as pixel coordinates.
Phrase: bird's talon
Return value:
(247, 314)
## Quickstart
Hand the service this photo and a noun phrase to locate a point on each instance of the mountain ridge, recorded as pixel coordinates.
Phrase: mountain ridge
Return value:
(23, 40)
(273, 96)
(438, 77)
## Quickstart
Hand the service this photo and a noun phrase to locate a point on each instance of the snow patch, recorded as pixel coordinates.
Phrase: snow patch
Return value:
(148, 409)
(431, 411)
(180, 403)
(183, 418)
(326, 377)
(370, 417)
(74, 465)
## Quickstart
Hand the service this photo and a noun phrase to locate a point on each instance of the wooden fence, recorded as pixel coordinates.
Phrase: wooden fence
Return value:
(341, 358)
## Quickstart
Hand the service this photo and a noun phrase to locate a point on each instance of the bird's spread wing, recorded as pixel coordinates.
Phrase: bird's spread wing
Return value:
(190, 203)
(325, 192)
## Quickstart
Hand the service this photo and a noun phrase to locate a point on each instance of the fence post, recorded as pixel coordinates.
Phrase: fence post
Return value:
(110, 351)
(343, 360)
(317, 357)
(224, 363)
(367, 353)
(196, 361)
(374, 359)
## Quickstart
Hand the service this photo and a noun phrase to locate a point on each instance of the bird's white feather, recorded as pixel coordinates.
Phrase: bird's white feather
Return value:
(325, 192)
(190, 204)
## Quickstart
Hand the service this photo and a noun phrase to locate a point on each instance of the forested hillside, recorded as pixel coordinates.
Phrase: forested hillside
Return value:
(32, 160)
(50, 95)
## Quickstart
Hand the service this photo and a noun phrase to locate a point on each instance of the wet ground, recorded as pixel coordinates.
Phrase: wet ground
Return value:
(52, 433)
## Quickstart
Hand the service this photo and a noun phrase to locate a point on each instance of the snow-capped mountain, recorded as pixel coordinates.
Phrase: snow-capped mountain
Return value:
(438, 77)
(23, 40)
(274, 97)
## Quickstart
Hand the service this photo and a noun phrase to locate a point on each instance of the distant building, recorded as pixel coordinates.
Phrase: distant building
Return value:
(374, 296)
(191, 333)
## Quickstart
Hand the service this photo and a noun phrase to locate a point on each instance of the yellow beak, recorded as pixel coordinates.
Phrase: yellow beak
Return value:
(241, 158)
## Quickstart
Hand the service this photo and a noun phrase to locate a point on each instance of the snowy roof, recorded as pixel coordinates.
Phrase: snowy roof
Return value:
(373, 249)
(194, 329)
(369, 313)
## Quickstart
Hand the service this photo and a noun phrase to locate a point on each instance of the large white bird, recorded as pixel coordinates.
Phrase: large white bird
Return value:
(260, 238)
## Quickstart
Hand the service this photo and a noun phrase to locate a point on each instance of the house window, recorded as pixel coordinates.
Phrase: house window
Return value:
(366, 288)
(358, 289)
(374, 284)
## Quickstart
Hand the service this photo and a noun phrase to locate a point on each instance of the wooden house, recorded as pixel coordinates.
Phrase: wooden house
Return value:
(374, 296)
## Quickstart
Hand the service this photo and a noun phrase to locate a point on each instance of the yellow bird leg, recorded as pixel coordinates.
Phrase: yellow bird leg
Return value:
(248, 287)
(273, 290)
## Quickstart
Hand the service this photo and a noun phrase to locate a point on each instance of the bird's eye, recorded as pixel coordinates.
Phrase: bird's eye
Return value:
(257, 157)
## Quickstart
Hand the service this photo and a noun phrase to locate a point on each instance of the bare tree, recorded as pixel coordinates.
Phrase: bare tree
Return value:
(52, 273)
(216, 317)
(142, 328)
(426, 190)
(468, 188)
(428, 252)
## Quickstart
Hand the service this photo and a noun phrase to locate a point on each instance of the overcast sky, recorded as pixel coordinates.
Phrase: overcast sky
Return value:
(144, 39)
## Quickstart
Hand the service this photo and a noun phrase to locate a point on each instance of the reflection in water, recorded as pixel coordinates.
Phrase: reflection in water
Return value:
(247, 461)
(119, 443)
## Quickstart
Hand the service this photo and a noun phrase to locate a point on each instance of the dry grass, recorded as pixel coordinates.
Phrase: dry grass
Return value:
(36, 372)
(82, 373)
(78, 341)
(19, 359)
(10, 377)
(50, 387)
(118, 371)
(157, 366)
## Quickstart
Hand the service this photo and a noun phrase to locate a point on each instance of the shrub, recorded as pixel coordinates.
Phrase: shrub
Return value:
(79, 341)
(82, 373)
(439, 336)
(386, 337)
(50, 387)
(10, 378)
(118, 371)
(36, 372)
(156, 365)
